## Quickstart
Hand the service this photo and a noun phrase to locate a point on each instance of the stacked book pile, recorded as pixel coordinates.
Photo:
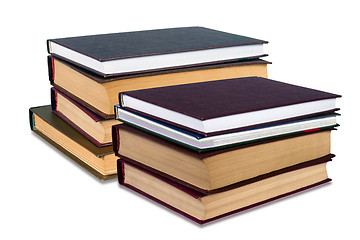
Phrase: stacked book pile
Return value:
(202, 130)
(211, 149)
(88, 72)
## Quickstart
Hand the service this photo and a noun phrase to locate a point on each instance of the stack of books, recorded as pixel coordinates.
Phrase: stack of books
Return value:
(202, 129)
(88, 72)
(210, 149)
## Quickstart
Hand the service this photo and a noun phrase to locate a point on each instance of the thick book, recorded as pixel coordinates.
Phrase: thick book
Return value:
(209, 171)
(203, 208)
(100, 94)
(217, 107)
(92, 126)
(151, 50)
(101, 162)
(200, 143)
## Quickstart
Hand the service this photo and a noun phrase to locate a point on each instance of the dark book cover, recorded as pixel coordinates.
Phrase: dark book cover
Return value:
(95, 117)
(46, 114)
(209, 100)
(195, 194)
(113, 46)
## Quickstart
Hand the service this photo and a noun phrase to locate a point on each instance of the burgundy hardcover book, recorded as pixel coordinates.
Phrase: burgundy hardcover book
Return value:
(217, 107)
(203, 208)
(207, 172)
(153, 50)
(89, 124)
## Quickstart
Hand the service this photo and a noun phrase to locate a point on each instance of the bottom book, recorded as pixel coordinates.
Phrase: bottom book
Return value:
(203, 208)
(100, 161)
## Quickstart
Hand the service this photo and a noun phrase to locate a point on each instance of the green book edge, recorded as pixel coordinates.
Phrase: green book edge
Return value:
(45, 113)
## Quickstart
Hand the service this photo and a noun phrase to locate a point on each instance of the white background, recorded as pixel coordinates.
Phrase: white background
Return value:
(44, 195)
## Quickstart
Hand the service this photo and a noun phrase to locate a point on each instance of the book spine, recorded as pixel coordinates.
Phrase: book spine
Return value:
(53, 99)
(31, 120)
(48, 46)
(121, 102)
(115, 139)
(120, 172)
(51, 69)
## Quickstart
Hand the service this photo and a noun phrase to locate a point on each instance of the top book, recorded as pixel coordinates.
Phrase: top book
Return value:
(217, 107)
(154, 50)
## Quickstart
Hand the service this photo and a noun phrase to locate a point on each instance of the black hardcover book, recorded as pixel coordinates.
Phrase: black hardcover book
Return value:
(131, 52)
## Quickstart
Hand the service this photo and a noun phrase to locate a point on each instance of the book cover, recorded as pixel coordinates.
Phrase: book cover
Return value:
(91, 51)
(65, 138)
(216, 107)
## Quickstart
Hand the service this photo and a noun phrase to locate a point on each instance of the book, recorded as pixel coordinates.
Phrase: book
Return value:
(101, 162)
(100, 94)
(200, 143)
(217, 107)
(203, 208)
(208, 171)
(131, 52)
(88, 123)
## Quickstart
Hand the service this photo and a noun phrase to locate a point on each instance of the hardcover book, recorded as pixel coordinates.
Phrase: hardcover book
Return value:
(209, 171)
(217, 107)
(100, 94)
(101, 162)
(203, 208)
(131, 52)
(88, 123)
(200, 143)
